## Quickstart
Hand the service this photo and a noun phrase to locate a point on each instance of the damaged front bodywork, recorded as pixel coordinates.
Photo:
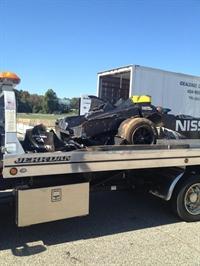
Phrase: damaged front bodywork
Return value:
(100, 125)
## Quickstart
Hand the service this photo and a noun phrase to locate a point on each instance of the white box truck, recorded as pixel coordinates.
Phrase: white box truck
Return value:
(177, 91)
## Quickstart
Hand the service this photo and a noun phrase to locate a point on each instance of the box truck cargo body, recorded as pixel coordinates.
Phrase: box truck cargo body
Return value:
(177, 91)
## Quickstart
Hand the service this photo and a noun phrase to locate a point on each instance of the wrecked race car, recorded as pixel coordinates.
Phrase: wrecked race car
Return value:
(107, 124)
(134, 121)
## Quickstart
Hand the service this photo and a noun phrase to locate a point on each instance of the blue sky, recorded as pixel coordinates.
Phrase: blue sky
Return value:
(62, 44)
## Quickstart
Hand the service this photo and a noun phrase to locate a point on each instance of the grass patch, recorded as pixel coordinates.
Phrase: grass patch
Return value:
(35, 119)
(43, 116)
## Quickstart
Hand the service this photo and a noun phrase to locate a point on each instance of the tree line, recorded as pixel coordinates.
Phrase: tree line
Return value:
(48, 103)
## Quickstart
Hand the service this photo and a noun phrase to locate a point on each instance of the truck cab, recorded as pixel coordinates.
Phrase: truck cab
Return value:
(8, 125)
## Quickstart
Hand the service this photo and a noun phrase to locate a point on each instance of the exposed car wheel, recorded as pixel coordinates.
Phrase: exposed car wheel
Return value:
(186, 199)
(138, 131)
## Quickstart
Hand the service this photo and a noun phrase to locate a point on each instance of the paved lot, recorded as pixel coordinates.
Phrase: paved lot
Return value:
(123, 228)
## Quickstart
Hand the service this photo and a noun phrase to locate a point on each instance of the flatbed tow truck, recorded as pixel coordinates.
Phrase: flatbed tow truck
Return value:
(48, 186)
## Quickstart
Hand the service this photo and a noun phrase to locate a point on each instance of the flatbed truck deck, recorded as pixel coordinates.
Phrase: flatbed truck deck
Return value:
(98, 159)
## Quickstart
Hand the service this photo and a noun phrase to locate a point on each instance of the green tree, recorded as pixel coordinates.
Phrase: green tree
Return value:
(74, 103)
(50, 102)
(23, 105)
(36, 101)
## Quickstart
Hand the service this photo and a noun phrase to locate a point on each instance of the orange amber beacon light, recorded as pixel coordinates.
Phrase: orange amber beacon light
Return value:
(9, 77)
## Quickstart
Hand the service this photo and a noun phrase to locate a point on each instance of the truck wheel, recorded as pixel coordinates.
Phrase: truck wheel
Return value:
(186, 199)
(138, 131)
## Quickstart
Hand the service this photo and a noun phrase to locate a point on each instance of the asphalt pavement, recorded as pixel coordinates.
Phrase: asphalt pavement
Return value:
(123, 228)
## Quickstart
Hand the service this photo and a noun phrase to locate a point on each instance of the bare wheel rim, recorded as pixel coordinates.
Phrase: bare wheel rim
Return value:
(142, 135)
(192, 199)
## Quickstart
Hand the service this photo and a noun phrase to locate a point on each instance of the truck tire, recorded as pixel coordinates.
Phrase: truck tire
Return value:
(138, 131)
(186, 199)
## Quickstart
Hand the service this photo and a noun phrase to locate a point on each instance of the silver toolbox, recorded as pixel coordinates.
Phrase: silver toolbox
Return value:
(51, 203)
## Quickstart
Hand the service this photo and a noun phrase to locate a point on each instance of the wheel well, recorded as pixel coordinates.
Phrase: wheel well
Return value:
(190, 171)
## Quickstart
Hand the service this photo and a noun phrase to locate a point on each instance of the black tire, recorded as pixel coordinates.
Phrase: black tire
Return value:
(138, 131)
(186, 199)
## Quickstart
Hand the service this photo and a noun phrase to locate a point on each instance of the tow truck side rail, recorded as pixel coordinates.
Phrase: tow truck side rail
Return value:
(99, 160)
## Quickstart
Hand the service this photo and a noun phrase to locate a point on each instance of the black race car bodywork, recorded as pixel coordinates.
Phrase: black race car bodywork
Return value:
(100, 126)
(126, 123)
